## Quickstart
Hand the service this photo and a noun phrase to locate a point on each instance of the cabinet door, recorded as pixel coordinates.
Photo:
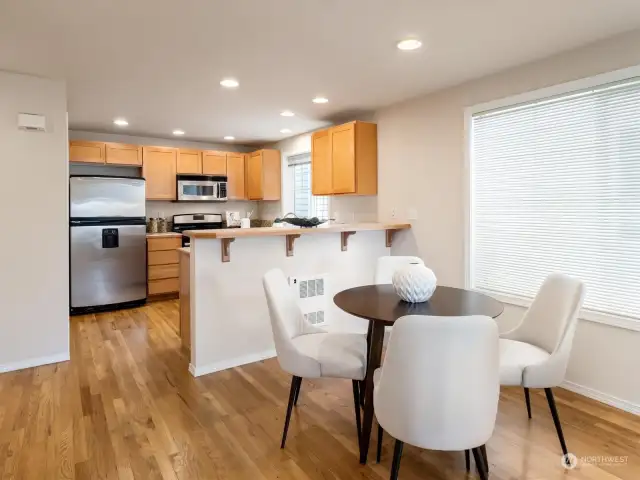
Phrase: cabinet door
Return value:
(254, 176)
(321, 163)
(159, 169)
(343, 158)
(214, 163)
(189, 161)
(123, 154)
(271, 175)
(236, 178)
(86, 152)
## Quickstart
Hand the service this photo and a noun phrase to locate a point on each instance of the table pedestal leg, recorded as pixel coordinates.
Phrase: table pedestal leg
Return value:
(375, 355)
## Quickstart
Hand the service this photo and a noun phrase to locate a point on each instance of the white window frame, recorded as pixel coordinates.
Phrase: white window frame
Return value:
(288, 204)
(560, 89)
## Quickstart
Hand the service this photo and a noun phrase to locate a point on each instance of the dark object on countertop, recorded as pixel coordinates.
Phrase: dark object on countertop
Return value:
(299, 221)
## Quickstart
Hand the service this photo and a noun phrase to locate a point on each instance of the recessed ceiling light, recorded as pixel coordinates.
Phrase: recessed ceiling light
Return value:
(285, 130)
(320, 100)
(287, 113)
(229, 83)
(121, 122)
(178, 132)
(229, 137)
(409, 44)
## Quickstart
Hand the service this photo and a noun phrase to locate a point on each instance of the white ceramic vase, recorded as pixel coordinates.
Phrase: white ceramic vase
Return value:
(414, 283)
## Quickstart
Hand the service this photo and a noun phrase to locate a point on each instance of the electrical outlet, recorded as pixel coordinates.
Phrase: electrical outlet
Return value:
(293, 280)
(393, 213)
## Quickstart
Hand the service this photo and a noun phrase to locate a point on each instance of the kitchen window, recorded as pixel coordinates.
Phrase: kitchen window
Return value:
(305, 204)
(555, 187)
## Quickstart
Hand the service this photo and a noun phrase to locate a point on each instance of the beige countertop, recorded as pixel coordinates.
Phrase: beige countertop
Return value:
(164, 235)
(278, 231)
(185, 250)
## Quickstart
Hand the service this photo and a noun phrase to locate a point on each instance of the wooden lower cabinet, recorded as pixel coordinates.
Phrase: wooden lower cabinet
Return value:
(162, 265)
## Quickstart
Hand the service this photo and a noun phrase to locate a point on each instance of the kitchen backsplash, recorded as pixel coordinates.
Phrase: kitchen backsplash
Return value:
(168, 209)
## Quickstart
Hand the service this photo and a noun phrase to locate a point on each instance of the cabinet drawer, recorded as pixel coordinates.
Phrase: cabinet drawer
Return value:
(167, 285)
(162, 257)
(159, 272)
(170, 243)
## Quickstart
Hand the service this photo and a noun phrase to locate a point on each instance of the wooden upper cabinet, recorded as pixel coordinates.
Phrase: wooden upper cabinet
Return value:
(236, 176)
(254, 176)
(321, 183)
(159, 169)
(86, 152)
(123, 154)
(214, 163)
(189, 161)
(343, 165)
(264, 175)
(344, 160)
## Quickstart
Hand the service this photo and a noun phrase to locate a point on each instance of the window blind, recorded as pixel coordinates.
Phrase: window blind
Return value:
(555, 187)
(304, 203)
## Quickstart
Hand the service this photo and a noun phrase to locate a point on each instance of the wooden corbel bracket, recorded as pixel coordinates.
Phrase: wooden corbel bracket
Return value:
(290, 239)
(344, 239)
(226, 249)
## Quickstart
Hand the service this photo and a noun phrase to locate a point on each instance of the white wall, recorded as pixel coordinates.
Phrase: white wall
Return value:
(229, 317)
(34, 285)
(421, 158)
(344, 208)
(157, 208)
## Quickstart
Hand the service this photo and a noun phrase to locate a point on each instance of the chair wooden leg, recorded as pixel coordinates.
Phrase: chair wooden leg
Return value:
(397, 455)
(295, 400)
(379, 449)
(467, 460)
(528, 400)
(356, 404)
(477, 456)
(556, 419)
(295, 385)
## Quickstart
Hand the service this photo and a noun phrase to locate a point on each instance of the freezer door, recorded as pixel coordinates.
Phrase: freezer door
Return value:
(108, 264)
(106, 197)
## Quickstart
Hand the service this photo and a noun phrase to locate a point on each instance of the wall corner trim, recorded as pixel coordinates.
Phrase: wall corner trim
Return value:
(35, 362)
(230, 363)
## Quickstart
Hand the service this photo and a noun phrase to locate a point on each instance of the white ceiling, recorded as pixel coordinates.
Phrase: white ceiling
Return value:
(158, 63)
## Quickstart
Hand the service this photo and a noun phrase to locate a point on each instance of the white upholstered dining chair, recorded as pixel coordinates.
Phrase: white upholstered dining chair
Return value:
(439, 385)
(536, 353)
(306, 351)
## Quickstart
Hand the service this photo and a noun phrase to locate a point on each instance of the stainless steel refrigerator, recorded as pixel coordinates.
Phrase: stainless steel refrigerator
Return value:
(107, 242)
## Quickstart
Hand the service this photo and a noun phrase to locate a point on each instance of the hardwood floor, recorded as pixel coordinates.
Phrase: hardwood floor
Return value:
(126, 407)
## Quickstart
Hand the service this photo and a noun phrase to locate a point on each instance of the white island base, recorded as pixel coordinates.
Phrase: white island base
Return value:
(228, 311)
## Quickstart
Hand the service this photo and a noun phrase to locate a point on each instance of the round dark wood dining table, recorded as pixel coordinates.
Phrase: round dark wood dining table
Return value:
(382, 307)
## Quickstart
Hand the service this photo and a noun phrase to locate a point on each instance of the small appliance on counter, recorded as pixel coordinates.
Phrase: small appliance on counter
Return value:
(107, 243)
(233, 219)
(195, 221)
(201, 188)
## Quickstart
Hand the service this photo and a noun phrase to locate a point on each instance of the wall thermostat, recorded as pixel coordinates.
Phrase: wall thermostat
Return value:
(32, 122)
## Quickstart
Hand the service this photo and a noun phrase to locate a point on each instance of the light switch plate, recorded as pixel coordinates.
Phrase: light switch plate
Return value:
(412, 214)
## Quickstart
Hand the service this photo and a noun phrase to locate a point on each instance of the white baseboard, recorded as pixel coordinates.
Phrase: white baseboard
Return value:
(602, 397)
(34, 362)
(230, 363)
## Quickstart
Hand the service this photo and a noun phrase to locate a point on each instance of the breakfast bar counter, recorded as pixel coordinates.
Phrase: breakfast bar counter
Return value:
(227, 310)
(228, 235)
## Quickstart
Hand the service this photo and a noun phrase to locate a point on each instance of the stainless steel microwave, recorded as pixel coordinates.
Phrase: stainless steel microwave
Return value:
(201, 188)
